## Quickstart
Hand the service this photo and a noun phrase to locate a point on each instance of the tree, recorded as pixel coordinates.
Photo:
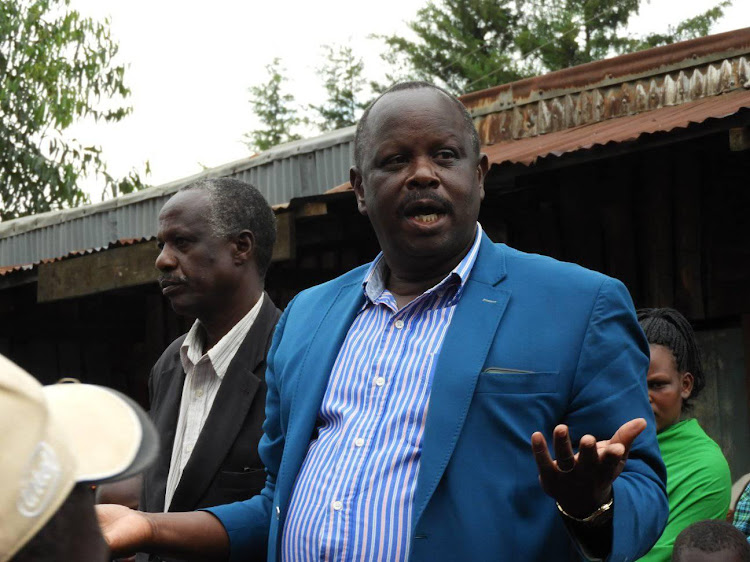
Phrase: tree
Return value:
(562, 33)
(467, 45)
(459, 41)
(55, 67)
(274, 109)
(343, 82)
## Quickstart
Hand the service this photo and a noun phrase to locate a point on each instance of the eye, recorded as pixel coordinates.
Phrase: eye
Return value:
(446, 155)
(394, 160)
(160, 245)
(181, 243)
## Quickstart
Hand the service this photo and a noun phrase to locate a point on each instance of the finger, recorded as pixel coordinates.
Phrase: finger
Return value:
(541, 456)
(588, 456)
(612, 459)
(628, 432)
(563, 448)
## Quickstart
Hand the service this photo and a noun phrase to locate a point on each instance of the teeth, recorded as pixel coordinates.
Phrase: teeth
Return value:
(426, 218)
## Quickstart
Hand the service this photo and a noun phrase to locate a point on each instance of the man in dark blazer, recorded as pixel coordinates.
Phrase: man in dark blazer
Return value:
(207, 389)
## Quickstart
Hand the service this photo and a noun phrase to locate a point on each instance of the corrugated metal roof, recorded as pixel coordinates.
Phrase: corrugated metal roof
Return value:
(297, 169)
(676, 77)
(608, 72)
(527, 151)
(606, 101)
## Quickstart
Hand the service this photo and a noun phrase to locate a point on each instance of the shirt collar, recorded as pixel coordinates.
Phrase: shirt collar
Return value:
(221, 354)
(376, 275)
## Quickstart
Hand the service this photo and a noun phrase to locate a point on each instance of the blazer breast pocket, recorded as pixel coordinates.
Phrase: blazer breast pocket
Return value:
(498, 380)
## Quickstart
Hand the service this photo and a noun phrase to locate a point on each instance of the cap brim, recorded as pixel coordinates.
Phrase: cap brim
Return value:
(110, 437)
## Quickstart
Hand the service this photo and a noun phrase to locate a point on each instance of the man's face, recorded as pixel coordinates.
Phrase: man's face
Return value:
(420, 182)
(197, 267)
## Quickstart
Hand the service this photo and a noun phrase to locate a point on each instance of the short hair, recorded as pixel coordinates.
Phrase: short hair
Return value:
(236, 206)
(63, 532)
(362, 137)
(712, 536)
(667, 327)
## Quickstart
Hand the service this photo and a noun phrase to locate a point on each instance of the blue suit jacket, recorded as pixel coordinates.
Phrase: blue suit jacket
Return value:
(533, 342)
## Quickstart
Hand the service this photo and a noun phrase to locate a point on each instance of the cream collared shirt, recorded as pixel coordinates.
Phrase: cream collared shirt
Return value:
(203, 375)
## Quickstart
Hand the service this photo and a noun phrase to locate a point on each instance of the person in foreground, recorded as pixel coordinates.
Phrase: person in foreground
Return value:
(500, 344)
(57, 441)
(207, 389)
(699, 484)
(711, 541)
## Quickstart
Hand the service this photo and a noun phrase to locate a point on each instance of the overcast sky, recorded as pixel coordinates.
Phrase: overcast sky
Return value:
(190, 64)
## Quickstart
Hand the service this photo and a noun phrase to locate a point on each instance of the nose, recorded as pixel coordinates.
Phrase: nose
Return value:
(165, 261)
(423, 174)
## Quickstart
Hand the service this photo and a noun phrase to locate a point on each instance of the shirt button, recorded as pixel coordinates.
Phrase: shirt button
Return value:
(199, 392)
(358, 442)
(399, 324)
(380, 381)
(337, 505)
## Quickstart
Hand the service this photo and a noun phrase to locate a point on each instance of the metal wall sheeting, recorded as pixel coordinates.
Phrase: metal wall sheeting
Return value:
(310, 173)
(307, 167)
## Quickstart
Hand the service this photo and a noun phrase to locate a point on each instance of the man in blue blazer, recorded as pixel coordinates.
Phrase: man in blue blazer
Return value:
(510, 347)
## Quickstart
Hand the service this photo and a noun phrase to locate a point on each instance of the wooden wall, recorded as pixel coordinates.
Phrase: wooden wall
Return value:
(110, 338)
(668, 222)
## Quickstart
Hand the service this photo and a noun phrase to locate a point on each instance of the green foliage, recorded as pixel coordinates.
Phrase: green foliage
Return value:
(467, 45)
(55, 67)
(343, 82)
(558, 34)
(458, 42)
(274, 109)
(691, 28)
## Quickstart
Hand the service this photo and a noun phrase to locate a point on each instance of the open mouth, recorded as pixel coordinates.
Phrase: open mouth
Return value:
(424, 212)
(426, 219)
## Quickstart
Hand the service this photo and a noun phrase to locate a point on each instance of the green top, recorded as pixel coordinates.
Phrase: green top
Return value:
(698, 482)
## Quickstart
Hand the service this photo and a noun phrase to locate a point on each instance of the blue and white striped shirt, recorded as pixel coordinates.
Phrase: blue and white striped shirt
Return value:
(352, 500)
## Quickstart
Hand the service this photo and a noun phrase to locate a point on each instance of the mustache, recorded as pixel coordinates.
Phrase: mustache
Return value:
(172, 279)
(418, 195)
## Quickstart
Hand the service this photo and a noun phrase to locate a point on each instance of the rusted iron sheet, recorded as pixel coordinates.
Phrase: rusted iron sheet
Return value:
(529, 150)
(628, 98)
(603, 73)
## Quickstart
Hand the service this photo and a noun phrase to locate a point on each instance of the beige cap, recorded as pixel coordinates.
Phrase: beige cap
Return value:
(56, 436)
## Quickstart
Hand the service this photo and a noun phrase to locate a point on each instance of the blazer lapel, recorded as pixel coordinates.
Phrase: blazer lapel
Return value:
(235, 395)
(315, 370)
(467, 342)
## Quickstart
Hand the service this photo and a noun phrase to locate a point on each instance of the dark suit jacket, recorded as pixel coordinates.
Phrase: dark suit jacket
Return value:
(224, 466)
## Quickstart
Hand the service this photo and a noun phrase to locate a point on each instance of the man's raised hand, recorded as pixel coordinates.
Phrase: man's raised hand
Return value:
(582, 482)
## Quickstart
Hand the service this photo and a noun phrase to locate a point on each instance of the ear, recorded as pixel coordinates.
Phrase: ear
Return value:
(482, 167)
(687, 385)
(355, 178)
(243, 247)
